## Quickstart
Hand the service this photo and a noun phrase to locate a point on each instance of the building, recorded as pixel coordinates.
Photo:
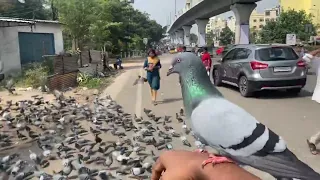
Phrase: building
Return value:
(258, 20)
(210, 27)
(23, 41)
(231, 23)
(271, 14)
(215, 26)
(310, 6)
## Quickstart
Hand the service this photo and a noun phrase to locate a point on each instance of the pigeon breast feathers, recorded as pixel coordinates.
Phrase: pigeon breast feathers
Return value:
(227, 126)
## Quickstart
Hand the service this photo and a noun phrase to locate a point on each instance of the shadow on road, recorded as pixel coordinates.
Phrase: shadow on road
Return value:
(281, 94)
(273, 94)
(170, 100)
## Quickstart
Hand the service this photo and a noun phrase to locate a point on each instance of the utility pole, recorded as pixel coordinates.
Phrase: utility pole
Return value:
(175, 8)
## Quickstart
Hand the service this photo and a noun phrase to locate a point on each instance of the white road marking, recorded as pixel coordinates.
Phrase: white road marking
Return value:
(119, 83)
(139, 97)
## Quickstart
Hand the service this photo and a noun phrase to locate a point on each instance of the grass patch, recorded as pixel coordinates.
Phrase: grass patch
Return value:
(33, 75)
(90, 82)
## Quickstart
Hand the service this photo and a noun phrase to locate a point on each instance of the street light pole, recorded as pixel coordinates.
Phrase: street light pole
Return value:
(175, 8)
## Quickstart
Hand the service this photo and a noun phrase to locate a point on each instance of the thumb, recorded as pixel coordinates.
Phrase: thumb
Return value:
(157, 170)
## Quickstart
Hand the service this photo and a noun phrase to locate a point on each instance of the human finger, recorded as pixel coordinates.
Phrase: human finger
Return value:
(157, 169)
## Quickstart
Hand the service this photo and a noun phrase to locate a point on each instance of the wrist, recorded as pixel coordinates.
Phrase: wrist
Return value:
(227, 171)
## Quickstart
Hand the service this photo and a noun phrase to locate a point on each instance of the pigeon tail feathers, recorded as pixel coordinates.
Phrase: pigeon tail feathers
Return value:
(283, 164)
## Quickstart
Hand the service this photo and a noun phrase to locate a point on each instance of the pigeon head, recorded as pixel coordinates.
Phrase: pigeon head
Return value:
(183, 62)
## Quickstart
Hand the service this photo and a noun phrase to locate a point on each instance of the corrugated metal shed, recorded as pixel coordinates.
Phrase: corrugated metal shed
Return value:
(9, 22)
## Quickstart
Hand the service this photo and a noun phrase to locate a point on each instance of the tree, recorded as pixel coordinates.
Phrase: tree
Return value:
(289, 22)
(226, 36)
(209, 39)
(113, 24)
(254, 35)
(31, 9)
(77, 16)
(193, 38)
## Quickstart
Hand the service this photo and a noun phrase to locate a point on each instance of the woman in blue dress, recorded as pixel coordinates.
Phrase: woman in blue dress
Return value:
(152, 65)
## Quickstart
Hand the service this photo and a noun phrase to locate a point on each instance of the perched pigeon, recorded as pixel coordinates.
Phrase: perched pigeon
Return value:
(231, 130)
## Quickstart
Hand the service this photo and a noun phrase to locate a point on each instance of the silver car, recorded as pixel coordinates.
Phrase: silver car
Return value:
(256, 67)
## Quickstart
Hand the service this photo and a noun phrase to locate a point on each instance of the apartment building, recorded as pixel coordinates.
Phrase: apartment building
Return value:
(258, 20)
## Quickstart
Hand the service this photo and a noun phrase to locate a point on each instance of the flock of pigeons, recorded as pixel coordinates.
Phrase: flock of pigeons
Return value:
(87, 141)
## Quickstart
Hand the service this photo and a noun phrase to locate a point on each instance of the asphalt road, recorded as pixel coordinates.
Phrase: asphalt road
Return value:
(294, 118)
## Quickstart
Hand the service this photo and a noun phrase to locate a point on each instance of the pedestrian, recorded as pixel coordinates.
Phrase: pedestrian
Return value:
(315, 62)
(312, 142)
(184, 49)
(118, 63)
(152, 65)
(206, 59)
(184, 165)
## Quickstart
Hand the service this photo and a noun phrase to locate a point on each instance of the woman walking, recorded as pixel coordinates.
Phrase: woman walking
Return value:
(152, 65)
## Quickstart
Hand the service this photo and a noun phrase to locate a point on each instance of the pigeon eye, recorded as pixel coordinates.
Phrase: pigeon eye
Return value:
(178, 60)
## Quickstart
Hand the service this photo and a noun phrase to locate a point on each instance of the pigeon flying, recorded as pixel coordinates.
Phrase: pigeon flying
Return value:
(231, 130)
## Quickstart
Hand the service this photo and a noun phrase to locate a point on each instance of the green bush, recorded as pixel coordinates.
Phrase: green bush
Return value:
(33, 75)
(312, 48)
(88, 81)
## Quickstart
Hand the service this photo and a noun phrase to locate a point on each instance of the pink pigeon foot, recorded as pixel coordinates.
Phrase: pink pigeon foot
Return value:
(216, 160)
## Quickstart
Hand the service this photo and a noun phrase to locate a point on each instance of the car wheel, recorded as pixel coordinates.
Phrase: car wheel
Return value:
(244, 87)
(294, 91)
(216, 78)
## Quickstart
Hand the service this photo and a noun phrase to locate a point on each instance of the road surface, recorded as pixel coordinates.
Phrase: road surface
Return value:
(294, 118)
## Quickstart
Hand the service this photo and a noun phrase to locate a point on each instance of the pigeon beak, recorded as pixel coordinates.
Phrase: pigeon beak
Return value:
(170, 70)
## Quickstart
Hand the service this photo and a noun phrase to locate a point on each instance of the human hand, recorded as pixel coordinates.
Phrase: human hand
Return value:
(151, 67)
(184, 165)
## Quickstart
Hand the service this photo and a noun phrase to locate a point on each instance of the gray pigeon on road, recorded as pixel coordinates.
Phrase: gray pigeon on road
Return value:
(231, 130)
(139, 80)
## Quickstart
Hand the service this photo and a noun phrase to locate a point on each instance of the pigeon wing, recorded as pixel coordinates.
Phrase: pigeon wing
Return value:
(225, 125)
(235, 133)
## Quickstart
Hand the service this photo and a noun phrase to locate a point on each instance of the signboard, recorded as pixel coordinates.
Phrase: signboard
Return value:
(291, 39)
(145, 41)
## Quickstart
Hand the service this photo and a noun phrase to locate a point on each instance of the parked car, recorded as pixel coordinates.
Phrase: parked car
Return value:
(261, 67)
(226, 49)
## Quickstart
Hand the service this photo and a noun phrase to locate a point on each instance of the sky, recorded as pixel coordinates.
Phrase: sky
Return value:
(160, 10)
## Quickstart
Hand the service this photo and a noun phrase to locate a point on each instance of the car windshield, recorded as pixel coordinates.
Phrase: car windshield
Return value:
(276, 54)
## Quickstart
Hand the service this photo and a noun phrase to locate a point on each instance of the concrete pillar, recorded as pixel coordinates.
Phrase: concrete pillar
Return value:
(172, 38)
(180, 36)
(242, 13)
(186, 30)
(202, 23)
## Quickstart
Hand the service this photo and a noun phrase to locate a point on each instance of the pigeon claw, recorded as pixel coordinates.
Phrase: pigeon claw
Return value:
(216, 160)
